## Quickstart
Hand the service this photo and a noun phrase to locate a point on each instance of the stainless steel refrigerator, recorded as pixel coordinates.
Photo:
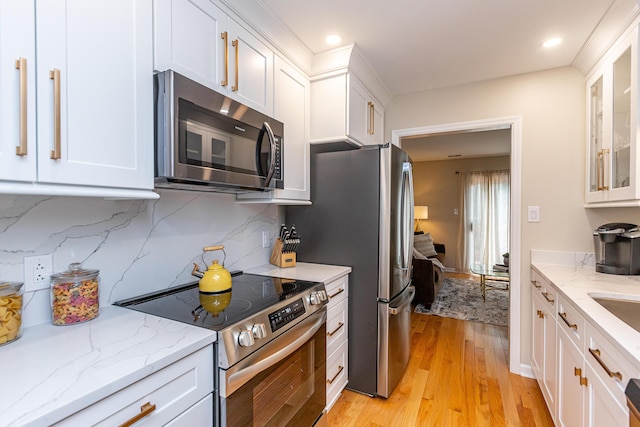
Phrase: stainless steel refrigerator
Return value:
(362, 216)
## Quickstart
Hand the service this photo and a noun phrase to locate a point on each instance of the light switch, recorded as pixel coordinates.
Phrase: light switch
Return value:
(533, 214)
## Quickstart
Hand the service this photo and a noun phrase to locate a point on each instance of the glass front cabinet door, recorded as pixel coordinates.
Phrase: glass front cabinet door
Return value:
(612, 102)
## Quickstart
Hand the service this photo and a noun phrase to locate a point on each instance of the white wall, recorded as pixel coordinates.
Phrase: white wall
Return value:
(553, 110)
(138, 246)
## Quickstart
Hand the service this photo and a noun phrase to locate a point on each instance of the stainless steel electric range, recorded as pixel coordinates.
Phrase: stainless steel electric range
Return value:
(270, 346)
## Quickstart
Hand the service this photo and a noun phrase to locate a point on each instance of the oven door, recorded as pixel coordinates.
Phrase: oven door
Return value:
(281, 384)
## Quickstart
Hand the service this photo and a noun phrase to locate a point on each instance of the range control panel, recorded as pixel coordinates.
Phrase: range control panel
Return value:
(286, 314)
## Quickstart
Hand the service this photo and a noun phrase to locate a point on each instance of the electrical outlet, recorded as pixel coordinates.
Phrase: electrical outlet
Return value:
(37, 272)
(265, 239)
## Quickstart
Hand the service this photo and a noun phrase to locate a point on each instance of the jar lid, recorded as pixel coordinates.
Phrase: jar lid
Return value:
(10, 288)
(75, 273)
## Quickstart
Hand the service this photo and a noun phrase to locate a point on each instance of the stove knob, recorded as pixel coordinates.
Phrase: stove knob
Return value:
(317, 297)
(259, 331)
(245, 339)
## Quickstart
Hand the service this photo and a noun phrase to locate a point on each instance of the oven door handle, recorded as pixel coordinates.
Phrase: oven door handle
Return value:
(281, 348)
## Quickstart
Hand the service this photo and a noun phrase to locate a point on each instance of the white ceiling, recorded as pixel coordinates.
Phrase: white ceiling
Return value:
(451, 146)
(420, 45)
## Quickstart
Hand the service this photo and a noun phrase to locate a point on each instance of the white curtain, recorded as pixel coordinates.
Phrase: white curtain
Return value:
(484, 223)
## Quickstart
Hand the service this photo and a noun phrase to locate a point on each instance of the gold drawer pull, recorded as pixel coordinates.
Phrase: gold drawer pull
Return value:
(341, 290)
(340, 325)
(57, 120)
(535, 283)
(340, 369)
(546, 296)
(540, 314)
(578, 373)
(563, 316)
(236, 44)
(225, 82)
(145, 410)
(21, 65)
(596, 354)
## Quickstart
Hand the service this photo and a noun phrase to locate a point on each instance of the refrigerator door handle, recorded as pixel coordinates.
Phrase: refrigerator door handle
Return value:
(406, 302)
(407, 215)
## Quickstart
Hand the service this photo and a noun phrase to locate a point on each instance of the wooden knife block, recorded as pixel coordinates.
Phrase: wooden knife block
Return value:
(283, 260)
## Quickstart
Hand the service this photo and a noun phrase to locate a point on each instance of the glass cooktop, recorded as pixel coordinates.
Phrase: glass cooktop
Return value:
(250, 294)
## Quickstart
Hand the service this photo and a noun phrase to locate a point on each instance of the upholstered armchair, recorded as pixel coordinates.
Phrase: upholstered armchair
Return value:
(428, 274)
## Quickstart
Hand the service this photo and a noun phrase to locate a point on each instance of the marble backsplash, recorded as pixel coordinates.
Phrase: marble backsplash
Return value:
(139, 246)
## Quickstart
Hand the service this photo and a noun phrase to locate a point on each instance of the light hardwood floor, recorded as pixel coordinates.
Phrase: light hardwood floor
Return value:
(457, 376)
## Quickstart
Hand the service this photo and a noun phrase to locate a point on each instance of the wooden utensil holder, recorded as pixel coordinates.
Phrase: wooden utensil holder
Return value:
(282, 259)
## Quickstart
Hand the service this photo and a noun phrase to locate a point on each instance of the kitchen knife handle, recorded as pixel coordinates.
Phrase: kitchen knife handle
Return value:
(21, 65)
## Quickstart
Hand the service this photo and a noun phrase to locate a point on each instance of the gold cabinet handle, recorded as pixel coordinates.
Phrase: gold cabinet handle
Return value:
(225, 82)
(600, 166)
(236, 44)
(540, 314)
(371, 115)
(21, 65)
(340, 369)
(57, 123)
(546, 296)
(563, 316)
(535, 284)
(578, 373)
(596, 354)
(341, 290)
(332, 333)
(145, 410)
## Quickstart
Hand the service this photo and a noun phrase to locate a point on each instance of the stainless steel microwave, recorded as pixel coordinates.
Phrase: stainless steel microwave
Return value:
(206, 141)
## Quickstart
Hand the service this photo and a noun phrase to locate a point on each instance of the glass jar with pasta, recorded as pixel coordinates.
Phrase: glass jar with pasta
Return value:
(10, 311)
(74, 295)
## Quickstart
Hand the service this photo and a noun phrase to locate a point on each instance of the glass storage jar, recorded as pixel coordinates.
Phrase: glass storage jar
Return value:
(74, 295)
(10, 311)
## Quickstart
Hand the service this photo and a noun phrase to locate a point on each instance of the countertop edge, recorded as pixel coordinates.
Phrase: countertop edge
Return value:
(575, 283)
(95, 366)
(303, 271)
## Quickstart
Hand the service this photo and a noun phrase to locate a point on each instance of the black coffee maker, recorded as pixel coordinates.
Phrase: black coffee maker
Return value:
(617, 248)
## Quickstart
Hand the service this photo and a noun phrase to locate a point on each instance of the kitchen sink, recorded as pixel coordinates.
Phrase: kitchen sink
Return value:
(625, 309)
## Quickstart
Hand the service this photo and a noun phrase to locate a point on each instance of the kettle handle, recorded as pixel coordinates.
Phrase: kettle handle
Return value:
(213, 248)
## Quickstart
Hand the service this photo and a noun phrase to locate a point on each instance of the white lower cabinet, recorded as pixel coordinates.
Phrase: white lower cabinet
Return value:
(543, 357)
(337, 336)
(571, 377)
(591, 373)
(180, 393)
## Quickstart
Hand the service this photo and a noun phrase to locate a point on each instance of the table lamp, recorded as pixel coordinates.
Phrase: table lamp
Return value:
(420, 213)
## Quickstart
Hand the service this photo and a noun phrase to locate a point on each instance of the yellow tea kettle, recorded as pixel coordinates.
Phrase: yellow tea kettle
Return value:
(217, 278)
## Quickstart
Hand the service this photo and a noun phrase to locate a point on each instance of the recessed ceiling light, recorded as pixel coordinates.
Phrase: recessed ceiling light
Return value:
(333, 39)
(555, 41)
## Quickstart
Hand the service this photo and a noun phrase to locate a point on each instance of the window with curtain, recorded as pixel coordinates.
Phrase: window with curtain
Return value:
(484, 223)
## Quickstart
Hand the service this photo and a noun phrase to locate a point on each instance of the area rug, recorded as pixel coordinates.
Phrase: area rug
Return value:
(461, 299)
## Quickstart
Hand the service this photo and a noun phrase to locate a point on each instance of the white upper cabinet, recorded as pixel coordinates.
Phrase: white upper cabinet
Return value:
(17, 91)
(342, 109)
(291, 106)
(198, 40)
(93, 85)
(612, 103)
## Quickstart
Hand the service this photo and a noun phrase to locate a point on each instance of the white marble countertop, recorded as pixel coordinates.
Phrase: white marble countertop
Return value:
(575, 283)
(303, 271)
(52, 372)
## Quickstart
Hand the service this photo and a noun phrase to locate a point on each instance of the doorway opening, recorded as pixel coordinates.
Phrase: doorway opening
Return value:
(513, 127)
